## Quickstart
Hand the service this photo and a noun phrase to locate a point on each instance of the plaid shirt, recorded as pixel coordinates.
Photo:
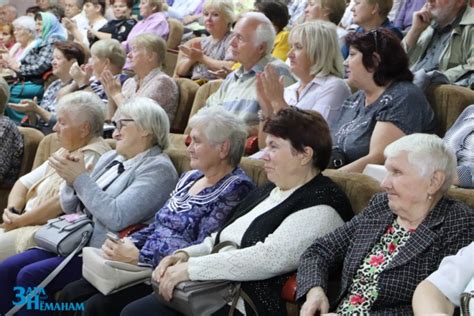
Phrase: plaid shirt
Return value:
(38, 60)
(446, 229)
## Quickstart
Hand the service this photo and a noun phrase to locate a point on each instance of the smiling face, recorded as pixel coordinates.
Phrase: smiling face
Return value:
(300, 63)
(60, 64)
(121, 10)
(405, 187)
(213, 20)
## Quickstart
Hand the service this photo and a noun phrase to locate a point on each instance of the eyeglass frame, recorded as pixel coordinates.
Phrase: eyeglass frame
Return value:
(118, 124)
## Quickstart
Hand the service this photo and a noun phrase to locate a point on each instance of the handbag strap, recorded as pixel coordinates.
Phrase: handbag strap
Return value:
(52, 275)
(240, 293)
(223, 244)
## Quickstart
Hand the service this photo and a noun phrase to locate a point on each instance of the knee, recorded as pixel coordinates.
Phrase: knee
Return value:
(27, 277)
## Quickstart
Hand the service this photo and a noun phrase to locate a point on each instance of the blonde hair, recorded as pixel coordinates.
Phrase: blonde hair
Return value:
(225, 8)
(152, 43)
(319, 39)
(110, 49)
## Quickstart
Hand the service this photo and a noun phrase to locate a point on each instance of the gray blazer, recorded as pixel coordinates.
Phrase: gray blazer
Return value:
(132, 198)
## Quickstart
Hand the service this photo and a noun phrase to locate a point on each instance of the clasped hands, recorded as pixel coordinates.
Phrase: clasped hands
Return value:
(270, 91)
(193, 52)
(172, 270)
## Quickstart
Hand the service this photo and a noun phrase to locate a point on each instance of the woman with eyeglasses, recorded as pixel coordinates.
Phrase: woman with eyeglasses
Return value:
(386, 107)
(271, 227)
(125, 188)
(199, 205)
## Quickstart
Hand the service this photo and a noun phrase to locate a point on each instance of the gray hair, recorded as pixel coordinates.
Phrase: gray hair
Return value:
(265, 32)
(150, 117)
(25, 22)
(152, 43)
(110, 49)
(428, 153)
(85, 106)
(319, 40)
(219, 125)
(4, 94)
(225, 8)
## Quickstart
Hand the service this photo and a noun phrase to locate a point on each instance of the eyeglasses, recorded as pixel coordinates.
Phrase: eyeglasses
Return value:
(119, 123)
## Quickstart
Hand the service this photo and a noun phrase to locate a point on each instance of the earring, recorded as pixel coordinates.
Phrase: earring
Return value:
(430, 197)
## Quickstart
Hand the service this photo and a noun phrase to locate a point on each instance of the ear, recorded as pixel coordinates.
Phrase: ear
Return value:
(436, 182)
(307, 155)
(376, 9)
(86, 130)
(224, 149)
(262, 48)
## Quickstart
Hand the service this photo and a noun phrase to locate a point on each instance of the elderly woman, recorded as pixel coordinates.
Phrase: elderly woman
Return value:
(32, 68)
(11, 151)
(396, 242)
(43, 115)
(154, 22)
(460, 138)
(125, 188)
(199, 57)
(94, 11)
(201, 202)
(316, 62)
(370, 15)
(147, 56)
(386, 107)
(34, 198)
(327, 10)
(25, 35)
(264, 224)
(120, 27)
(106, 55)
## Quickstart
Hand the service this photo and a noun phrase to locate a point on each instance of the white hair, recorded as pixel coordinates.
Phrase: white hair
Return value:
(265, 32)
(219, 125)
(428, 153)
(150, 117)
(86, 106)
(25, 22)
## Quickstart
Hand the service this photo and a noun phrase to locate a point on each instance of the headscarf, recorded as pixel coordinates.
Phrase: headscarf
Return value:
(51, 27)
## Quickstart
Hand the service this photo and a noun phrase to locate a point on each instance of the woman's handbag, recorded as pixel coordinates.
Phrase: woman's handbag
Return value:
(110, 276)
(63, 235)
(202, 298)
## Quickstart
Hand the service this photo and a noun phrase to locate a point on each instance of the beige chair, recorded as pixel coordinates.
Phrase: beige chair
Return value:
(31, 139)
(175, 34)
(187, 92)
(169, 65)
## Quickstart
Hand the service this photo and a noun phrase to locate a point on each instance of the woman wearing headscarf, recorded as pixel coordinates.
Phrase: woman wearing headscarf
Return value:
(31, 70)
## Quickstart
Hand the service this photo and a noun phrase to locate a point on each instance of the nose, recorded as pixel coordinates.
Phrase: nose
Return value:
(265, 156)
(233, 42)
(55, 127)
(386, 182)
(129, 55)
(115, 134)
(291, 53)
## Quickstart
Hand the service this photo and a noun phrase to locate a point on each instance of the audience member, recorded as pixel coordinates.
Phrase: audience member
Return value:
(36, 63)
(199, 205)
(11, 151)
(125, 188)
(43, 116)
(317, 63)
(264, 225)
(386, 107)
(442, 38)
(94, 12)
(154, 21)
(35, 196)
(296, 11)
(44, 5)
(460, 138)
(327, 10)
(442, 290)
(370, 15)
(7, 40)
(404, 17)
(396, 242)
(74, 18)
(147, 55)
(106, 55)
(8, 13)
(199, 57)
(120, 27)
(33, 11)
(180, 9)
(277, 13)
(251, 46)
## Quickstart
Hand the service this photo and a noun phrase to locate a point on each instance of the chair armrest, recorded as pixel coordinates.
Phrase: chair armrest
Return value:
(288, 291)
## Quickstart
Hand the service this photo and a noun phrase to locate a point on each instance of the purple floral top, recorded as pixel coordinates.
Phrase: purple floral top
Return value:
(187, 219)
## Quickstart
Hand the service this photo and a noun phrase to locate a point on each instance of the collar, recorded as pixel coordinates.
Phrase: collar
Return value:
(257, 68)
(154, 72)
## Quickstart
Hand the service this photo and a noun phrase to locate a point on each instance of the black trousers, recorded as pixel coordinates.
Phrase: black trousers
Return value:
(97, 304)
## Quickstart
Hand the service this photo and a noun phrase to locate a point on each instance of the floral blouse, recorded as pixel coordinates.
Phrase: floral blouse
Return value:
(364, 289)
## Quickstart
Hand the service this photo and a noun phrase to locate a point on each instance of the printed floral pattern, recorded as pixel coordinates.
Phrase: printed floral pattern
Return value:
(364, 289)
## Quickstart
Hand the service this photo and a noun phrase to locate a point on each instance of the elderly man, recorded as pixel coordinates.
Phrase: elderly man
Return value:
(8, 13)
(442, 38)
(251, 47)
(73, 14)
